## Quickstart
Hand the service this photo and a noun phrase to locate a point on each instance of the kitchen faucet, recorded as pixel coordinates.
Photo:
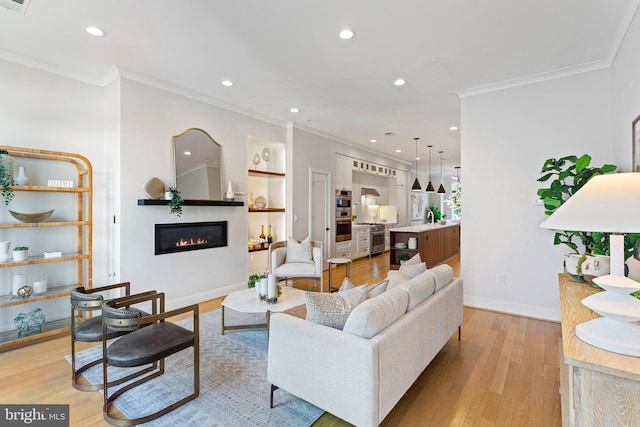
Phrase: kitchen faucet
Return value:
(430, 214)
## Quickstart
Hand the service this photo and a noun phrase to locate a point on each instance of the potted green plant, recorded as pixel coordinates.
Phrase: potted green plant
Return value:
(175, 203)
(6, 176)
(20, 253)
(566, 176)
(437, 215)
(402, 258)
(253, 279)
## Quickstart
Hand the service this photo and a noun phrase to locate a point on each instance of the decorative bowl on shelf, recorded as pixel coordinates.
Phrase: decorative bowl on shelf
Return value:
(260, 202)
(31, 217)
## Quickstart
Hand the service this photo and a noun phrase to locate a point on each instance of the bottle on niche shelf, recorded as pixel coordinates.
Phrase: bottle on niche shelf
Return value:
(262, 233)
(270, 236)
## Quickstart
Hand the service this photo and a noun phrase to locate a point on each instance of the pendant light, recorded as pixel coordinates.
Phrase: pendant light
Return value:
(441, 188)
(416, 183)
(429, 188)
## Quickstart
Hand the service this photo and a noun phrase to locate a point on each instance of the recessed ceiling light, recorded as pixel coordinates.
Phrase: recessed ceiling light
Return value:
(294, 110)
(399, 82)
(374, 140)
(417, 158)
(187, 153)
(398, 151)
(227, 83)
(453, 128)
(95, 31)
(346, 34)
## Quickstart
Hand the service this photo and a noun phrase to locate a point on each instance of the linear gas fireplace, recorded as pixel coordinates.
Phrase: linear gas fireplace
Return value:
(190, 236)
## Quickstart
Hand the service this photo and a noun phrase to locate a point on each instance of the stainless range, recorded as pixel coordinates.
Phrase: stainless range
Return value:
(376, 238)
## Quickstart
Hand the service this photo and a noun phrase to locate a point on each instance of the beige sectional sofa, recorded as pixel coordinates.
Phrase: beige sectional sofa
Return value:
(361, 372)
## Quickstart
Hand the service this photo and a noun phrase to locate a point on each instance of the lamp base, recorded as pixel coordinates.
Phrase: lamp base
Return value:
(611, 335)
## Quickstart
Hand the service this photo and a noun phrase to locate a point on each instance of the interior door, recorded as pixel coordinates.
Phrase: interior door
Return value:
(321, 202)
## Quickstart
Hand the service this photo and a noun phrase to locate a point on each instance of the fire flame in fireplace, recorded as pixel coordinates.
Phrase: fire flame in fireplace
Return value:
(190, 242)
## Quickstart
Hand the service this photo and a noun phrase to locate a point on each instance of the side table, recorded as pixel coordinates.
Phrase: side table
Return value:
(336, 262)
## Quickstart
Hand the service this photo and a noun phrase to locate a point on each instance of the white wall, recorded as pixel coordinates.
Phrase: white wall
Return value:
(149, 118)
(314, 151)
(625, 77)
(46, 111)
(506, 137)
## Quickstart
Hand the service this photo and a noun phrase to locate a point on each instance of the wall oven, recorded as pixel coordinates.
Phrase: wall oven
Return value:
(343, 199)
(343, 230)
(343, 215)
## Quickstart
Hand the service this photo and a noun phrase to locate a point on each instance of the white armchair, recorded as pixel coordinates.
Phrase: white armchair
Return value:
(283, 269)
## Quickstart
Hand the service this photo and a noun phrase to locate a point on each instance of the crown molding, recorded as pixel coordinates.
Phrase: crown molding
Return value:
(188, 93)
(47, 67)
(623, 27)
(534, 78)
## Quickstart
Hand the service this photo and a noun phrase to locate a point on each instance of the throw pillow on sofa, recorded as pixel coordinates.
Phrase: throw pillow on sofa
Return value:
(395, 278)
(346, 285)
(299, 252)
(377, 289)
(414, 260)
(334, 309)
(372, 291)
(412, 270)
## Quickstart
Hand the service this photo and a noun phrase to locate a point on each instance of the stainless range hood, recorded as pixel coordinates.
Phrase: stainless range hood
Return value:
(369, 192)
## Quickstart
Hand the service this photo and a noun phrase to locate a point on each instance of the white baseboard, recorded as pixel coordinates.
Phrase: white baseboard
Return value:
(524, 310)
(204, 296)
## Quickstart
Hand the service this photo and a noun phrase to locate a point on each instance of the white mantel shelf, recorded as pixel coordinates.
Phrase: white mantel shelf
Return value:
(189, 202)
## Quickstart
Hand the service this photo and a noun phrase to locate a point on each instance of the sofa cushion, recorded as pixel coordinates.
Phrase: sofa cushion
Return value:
(396, 278)
(412, 270)
(299, 252)
(418, 289)
(334, 309)
(373, 315)
(442, 274)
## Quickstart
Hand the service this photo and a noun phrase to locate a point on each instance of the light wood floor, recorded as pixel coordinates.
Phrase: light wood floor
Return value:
(504, 372)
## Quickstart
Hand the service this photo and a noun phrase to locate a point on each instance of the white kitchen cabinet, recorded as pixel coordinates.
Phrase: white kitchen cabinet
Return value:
(344, 173)
(343, 249)
(360, 241)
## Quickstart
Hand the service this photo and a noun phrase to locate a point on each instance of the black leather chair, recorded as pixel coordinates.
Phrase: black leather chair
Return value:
(90, 330)
(146, 345)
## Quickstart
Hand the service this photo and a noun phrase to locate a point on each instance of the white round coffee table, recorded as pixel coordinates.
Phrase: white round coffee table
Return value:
(246, 301)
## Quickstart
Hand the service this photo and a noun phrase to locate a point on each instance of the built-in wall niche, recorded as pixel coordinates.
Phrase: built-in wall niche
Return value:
(266, 198)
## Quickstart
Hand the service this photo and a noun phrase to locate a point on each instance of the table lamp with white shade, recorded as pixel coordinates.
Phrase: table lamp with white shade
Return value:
(609, 204)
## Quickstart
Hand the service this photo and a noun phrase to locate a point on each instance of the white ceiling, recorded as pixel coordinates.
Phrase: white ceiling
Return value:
(286, 53)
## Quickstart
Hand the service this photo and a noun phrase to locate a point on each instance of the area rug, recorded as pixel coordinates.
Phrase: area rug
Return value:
(234, 390)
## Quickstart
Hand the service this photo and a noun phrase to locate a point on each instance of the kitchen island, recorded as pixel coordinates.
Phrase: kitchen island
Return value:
(435, 243)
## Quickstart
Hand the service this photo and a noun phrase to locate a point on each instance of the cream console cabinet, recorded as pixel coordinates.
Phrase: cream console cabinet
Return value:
(598, 387)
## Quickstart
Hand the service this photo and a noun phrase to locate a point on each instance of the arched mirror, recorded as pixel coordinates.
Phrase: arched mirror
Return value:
(198, 165)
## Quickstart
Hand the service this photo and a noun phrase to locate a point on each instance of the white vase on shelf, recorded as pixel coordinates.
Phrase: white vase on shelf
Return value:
(21, 178)
(229, 196)
(250, 200)
(5, 251)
